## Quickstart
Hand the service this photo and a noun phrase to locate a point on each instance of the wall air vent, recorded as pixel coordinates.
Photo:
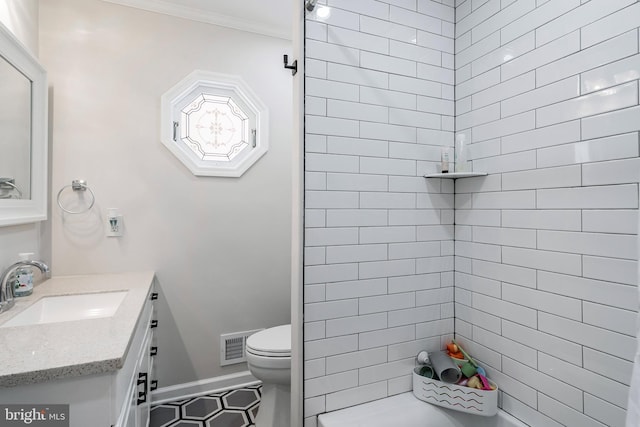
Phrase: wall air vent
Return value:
(232, 347)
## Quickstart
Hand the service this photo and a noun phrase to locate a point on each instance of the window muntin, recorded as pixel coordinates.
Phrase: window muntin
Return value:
(214, 127)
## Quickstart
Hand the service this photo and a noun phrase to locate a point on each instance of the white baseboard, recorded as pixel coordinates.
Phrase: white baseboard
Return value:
(206, 386)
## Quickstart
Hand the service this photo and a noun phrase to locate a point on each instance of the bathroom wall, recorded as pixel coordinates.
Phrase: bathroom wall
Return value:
(21, 17)
(220, 246)
(546, 252)
(378, 281)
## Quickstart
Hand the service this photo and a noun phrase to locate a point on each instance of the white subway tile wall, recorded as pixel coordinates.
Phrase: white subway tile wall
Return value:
(546, 248)
(379, 237)
(545, 295)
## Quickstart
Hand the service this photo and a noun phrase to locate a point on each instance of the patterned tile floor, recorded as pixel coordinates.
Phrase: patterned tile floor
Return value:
(233, 408)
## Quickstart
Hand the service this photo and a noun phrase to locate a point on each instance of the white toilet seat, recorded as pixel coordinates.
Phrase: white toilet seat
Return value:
(267, 353)
(270, 362)
(272, 342)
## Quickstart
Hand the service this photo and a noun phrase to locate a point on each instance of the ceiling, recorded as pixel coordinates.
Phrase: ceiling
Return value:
(268, 17)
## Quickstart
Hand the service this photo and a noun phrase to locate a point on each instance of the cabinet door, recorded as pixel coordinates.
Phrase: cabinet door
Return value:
(143, 384)
(130, 417)
(137, 395)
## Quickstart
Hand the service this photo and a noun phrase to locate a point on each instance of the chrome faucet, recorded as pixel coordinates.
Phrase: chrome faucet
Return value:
(7, 299)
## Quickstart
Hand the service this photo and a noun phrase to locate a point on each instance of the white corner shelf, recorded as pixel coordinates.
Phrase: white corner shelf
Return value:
(454, 175)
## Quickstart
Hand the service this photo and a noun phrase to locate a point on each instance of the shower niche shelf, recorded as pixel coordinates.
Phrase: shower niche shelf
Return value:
(454, 175)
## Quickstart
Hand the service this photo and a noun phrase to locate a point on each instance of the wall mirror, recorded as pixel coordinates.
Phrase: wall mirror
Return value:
(23, 133)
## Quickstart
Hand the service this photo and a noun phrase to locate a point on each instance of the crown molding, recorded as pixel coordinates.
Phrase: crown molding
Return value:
(201, 15)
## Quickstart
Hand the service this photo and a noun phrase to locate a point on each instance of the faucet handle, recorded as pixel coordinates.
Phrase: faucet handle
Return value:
(7, 297)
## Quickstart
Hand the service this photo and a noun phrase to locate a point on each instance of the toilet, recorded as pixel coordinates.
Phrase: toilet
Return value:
(269, 360)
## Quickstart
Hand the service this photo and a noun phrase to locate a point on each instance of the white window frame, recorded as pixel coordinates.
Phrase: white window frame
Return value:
(215, 84)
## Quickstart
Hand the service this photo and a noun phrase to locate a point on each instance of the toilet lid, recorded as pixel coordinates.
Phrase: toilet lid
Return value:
(271, 342)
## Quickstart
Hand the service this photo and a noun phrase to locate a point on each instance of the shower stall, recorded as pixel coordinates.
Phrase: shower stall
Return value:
(533, 267)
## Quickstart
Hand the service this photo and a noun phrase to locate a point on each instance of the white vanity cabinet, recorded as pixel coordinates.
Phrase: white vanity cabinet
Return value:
(114, 398)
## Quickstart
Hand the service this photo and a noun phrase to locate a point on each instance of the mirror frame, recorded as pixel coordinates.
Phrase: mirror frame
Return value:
(18, 211)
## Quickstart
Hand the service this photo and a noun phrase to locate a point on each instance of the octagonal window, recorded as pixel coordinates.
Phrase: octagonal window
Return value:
(214, 124)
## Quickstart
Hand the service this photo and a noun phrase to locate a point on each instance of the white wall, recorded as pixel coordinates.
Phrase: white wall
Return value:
(220, 247)
(378, 236)
(21, 17)
(546, 277)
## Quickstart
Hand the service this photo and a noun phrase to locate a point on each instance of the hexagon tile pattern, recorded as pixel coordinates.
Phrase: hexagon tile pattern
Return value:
(232, 408)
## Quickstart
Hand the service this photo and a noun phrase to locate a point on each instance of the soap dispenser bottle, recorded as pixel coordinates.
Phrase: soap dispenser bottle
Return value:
(23, 277)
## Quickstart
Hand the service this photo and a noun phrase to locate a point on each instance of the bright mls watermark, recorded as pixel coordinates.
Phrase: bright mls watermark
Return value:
(34, 415)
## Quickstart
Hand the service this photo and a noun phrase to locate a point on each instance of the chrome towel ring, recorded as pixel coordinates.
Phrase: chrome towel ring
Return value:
(77, 185)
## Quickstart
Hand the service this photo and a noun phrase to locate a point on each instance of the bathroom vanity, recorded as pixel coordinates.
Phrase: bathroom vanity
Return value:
(99, 362)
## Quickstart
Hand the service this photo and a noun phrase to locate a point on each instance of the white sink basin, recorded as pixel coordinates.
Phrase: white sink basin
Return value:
(69, 307)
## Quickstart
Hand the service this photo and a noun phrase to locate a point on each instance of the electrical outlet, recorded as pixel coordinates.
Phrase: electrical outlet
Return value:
(115, 223)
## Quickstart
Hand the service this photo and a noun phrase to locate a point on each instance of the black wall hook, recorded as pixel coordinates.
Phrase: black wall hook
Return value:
(293, 67)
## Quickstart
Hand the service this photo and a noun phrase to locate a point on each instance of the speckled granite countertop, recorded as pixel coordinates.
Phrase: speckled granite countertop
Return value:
(36, 353)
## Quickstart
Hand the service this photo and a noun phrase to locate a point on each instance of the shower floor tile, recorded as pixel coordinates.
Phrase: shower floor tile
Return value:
(232, 408)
